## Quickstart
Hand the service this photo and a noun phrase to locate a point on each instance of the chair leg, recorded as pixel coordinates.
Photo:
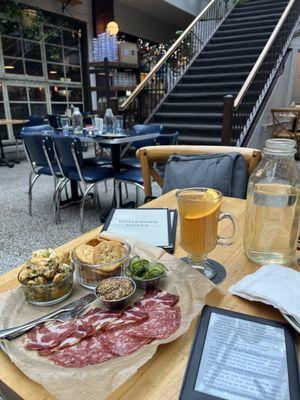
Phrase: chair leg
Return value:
(31, 183)
(136, 196)
(82, 205)
(56, 199)
(106, 187)
(17, 151)
(126, 191)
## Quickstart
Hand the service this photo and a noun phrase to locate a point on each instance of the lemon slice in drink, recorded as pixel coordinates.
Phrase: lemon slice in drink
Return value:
(213, 204)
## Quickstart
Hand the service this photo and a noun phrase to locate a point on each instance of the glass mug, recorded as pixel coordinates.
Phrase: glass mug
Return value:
(199, 215)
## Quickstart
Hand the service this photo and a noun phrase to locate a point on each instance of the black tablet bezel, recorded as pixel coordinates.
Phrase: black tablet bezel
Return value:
(188, 391)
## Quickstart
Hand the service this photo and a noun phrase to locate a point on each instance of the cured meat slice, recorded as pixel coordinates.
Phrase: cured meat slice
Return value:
(156, 298)
(98, 318)
(121, 344)
(83, 330)
(89, 351)
(129, 316)
(50, 335)
(161, 324)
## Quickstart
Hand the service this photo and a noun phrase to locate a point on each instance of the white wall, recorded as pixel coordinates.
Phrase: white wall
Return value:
(82, 12)
(280, 97)
(137, 23)
(191, 6)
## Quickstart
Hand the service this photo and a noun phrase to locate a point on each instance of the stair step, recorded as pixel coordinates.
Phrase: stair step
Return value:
(250, 24)
(188, 117)
(233, 39)
(250, 51)
(258, 4)
(214, 77)
(238, 31)
(192, 107)
(257, 17)
(220, 68)
(204, 96)
(259, 43)
(250, 13)
(228, 60)
(199, 139)
(189, 88)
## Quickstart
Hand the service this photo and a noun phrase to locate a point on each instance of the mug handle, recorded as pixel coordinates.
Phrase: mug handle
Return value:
(227, 241)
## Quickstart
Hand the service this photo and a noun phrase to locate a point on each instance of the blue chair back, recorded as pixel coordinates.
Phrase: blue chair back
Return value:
(143, 129)
(34, 146)
(63, 146)
(36, 120)
(167, 139)
(54, 121)
(35, 129)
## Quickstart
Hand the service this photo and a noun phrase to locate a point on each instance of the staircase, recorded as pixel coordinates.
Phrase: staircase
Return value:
(194, 106)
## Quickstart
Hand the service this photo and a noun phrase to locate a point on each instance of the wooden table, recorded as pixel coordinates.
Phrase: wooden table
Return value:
(161, 377)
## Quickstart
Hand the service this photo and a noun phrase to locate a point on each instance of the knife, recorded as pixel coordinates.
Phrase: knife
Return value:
(66, 312)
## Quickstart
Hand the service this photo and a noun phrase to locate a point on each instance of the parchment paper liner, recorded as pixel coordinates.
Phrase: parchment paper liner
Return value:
(98, 381)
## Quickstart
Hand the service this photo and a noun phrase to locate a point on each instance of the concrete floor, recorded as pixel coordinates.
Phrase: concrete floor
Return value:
(20, 234)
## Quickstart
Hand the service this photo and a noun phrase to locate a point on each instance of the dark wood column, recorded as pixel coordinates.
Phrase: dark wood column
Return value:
(103, 12)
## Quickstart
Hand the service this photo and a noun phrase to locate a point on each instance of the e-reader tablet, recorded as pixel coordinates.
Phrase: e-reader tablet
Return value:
(239, 357)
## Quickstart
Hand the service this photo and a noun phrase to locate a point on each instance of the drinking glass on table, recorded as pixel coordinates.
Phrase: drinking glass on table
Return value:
(119, 124)
(199, 215)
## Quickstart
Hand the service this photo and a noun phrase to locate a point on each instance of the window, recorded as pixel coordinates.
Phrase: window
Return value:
(42, 69)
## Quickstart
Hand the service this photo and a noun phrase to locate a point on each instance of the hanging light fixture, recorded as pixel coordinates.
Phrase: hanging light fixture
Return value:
(28, 17)
(113, 28)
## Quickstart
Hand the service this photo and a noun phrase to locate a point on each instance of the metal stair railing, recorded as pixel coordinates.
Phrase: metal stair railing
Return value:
(240, 112)
(151, 92)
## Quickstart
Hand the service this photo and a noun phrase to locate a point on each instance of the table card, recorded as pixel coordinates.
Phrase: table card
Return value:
(153, 226)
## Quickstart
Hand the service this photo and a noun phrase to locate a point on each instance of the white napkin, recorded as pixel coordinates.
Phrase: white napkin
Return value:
(274, 285)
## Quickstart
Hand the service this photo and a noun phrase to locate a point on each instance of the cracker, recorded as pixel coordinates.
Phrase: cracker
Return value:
(107, 252)
(84, 253)
(93, 242)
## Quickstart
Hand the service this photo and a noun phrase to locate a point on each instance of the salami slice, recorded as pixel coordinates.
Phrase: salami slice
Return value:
(161, 324)
(156, 298)
(50, 335)
(89, 351)
(121, 344)
(83, 330)
(129, 316)
(98, 317)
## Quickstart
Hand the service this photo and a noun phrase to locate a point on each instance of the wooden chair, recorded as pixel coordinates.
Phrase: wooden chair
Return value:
(285, 122)
(150, 156)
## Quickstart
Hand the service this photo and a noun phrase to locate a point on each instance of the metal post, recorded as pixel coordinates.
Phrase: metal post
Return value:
(226, 139)
(106, 80)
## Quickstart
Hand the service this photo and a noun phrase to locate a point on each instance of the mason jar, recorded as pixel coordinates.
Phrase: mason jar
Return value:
(272, 208)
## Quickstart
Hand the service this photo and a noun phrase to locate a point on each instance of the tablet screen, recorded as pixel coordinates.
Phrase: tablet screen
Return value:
(243, 360)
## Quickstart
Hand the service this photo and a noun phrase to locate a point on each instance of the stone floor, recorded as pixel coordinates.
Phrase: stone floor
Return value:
(20, 234)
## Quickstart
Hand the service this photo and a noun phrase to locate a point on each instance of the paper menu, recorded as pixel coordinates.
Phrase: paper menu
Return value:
(243, 360)
(150, 226)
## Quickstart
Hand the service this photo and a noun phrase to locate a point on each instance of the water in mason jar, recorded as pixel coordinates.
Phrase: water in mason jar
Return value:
(272, 231)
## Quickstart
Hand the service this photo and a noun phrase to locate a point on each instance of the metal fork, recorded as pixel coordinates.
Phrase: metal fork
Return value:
(12, 333)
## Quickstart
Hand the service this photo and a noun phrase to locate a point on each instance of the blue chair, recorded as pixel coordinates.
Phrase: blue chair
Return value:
(40, 154)
(131, 176)
(31, 126)
(35, 119)
(132, 162)
(54, 121)
(69, 155)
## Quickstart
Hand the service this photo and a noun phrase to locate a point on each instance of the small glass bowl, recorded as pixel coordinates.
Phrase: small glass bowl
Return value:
(145, 284)
(120, 303)
(89, 275)
(47, 295)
